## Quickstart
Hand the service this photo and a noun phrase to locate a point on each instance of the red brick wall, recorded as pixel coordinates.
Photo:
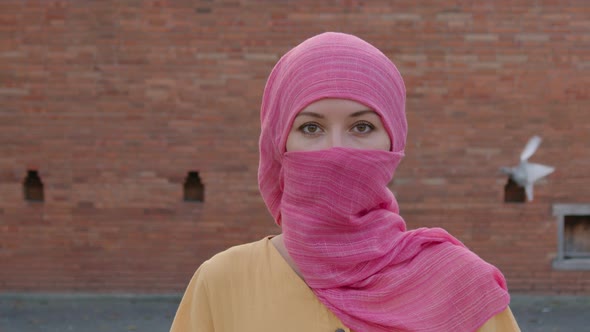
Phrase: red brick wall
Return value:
(113, 102)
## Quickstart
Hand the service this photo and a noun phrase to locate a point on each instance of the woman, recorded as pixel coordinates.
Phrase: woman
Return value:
(333, 132)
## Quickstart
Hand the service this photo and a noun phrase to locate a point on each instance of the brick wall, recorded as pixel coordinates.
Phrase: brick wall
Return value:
(114, 102)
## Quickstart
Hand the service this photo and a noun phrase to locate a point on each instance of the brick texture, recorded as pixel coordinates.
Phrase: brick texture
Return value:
(114, 102)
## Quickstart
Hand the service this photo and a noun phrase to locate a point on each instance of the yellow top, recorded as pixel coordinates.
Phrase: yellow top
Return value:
(251, 288)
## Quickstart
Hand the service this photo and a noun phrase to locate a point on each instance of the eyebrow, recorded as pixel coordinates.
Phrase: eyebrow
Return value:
(319, 116)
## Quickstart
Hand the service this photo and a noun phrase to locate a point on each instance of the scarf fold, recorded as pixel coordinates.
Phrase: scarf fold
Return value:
(340, 222)
(341, 226)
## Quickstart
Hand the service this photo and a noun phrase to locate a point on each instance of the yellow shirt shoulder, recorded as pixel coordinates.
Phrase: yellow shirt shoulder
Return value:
(251, 288)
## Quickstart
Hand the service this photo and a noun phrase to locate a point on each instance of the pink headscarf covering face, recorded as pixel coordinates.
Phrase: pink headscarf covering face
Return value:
(341, 224)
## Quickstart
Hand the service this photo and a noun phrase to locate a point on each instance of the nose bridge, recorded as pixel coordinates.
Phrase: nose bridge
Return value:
(336, 138)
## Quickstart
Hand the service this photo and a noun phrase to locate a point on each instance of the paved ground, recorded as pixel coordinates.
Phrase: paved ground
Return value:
(97, 313)
(86, 313)
(551, 313)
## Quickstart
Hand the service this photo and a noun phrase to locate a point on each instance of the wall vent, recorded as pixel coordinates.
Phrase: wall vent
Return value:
(513, 193)
(33, 187)
(194, 191)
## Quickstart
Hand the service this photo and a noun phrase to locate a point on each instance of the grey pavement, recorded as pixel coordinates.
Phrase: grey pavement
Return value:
(154, 313)
(86, 312)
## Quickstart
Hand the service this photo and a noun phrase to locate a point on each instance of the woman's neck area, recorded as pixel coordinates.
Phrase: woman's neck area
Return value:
(279, 244)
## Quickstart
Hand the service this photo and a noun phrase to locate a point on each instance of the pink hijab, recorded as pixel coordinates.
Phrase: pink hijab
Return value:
(341, 224)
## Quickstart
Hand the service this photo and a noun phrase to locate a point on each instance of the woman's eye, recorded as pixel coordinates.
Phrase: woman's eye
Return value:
(363, 128)
(310, 128)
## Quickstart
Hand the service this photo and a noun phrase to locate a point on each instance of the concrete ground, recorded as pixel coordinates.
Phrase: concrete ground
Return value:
(154, 313)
